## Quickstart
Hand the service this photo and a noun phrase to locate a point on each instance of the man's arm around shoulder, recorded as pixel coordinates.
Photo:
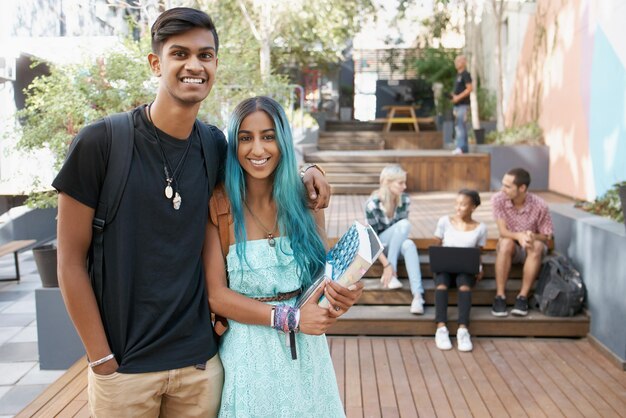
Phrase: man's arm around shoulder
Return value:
(74, 232)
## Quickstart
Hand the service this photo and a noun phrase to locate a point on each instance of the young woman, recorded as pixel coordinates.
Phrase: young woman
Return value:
(458, 230)
(277, 244)
(387, 211)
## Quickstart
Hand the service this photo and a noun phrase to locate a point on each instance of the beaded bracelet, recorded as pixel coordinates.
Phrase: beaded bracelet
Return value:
(285, 318)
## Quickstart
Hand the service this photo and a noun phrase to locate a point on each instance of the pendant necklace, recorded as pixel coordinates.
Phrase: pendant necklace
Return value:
(171, 188)
(270, 234)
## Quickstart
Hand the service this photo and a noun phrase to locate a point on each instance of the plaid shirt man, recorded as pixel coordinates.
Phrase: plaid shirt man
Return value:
(534, 216)
(376, 216)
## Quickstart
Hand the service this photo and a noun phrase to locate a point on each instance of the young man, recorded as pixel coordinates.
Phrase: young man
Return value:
(461, 101)
(147, 333)
(525, 227)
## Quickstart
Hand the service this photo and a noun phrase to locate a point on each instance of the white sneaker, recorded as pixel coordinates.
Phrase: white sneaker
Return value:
(442, 339)
(417, 306)
(464, 343)
(394, 283)
(457, 151)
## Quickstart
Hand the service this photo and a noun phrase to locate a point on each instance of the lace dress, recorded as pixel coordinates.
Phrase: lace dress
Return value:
(260, 378)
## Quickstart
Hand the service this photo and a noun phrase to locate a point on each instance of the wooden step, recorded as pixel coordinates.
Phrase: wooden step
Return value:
(353, 188)
(482, 294)
(370, 168)
(349, 178)
(488, 261)
(351, 135)
(344, 146)
(396, 320)
(353, 125)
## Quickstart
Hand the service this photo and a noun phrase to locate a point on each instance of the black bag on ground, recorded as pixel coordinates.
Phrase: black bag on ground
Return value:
(560, 290)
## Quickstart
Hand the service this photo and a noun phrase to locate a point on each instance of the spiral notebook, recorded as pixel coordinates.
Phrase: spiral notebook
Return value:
(347, 261)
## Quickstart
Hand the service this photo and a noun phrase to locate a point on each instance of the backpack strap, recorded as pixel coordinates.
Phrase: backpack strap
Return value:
(219, 209)
(120, 133)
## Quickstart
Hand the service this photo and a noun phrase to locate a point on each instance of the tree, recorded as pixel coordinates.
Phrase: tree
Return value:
(498, 11)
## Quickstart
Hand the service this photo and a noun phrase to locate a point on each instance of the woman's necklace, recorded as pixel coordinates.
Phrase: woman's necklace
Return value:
(169, 191)
(270, 234)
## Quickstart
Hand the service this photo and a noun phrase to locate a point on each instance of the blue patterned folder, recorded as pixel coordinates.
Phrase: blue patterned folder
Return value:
(348, 260)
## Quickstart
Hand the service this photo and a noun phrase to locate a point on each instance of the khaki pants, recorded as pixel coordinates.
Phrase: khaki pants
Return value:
(186, 392)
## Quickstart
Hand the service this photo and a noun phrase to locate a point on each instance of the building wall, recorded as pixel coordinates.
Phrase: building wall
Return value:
(571, 77)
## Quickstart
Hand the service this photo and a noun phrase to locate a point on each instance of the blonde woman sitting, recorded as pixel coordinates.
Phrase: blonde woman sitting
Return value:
(387, 211)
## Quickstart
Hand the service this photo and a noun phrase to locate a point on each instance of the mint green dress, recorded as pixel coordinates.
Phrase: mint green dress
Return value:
(260, 378)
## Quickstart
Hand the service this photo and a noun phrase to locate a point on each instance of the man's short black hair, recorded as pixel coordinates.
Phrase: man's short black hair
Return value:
(472, 194)
(179, 20)
(520, 176)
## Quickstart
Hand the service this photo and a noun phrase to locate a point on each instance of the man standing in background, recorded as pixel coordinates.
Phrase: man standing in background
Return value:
(460, 98)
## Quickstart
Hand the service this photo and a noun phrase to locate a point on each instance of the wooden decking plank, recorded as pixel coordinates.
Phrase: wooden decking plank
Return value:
(604, 368)
(371, 404)
(472, 396)
(517, 387)
(83, 413)
(602, 385)
(71, 409)
(602, 408)
(338, 355)
(483, 384)
(354, 400)
(70, 392)
(511, 354)
(418, 387)
(386, 393)
(402, 388)
(432, 379)
(571, 391)
(54, 389)
(450, 385)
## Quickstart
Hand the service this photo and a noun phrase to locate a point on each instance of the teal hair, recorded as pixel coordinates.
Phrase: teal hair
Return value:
(294, 217)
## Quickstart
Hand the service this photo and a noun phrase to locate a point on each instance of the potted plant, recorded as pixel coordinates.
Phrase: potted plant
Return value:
(520, 146)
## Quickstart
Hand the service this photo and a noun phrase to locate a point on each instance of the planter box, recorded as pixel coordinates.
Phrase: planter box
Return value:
(57, 339)
(534, 158)
(597, 245)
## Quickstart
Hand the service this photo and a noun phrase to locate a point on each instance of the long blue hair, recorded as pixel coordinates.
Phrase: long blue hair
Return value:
(294, 217)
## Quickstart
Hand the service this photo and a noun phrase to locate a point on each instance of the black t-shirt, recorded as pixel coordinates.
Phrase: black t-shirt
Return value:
(460, 84)
(154, 304)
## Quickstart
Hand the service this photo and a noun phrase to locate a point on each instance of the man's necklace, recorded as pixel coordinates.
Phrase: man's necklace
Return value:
(270, 234)
(172, 187)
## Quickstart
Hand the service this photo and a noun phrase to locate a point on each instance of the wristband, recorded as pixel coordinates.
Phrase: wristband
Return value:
(102, 360)
(306, 167)
(386, 265)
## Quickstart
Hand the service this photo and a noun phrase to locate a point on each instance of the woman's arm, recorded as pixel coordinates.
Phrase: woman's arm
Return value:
(230, 304)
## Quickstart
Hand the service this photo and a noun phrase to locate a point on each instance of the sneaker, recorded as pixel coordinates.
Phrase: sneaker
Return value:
(417, 306)
(457, 151)
(521, 306)
(442, 339)
(394, 283)
(499, 307)
(463, 340)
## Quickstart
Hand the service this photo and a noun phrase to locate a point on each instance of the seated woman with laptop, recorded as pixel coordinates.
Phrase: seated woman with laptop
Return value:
(458, 230)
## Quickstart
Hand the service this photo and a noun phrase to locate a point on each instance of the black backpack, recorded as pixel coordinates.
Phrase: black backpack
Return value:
(120, 132)
(560, 290)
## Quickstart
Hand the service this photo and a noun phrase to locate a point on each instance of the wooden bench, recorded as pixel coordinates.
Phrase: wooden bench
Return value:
(67, 396)
(15, 247)
(402, 114)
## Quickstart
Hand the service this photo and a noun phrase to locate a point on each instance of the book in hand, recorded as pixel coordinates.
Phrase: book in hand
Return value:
(347, 261)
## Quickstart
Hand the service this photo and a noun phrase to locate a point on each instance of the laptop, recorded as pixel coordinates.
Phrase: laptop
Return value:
(454, 259)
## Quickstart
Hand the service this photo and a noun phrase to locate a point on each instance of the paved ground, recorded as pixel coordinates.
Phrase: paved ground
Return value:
(21, 380)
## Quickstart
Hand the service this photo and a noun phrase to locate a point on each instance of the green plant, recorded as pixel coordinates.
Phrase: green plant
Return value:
(607, 205)
(436, 65)
(486, 103)
(529, 134)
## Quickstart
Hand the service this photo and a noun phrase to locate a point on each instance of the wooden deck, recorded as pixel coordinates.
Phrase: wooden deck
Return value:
(410, 377)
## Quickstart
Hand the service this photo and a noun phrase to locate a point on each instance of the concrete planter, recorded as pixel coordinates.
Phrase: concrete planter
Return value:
(46, 260)
(534, 158)
(622, 198)
(597, 245)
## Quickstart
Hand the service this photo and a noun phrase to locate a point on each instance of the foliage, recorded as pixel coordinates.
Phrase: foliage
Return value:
(608, 205)
(312, 33)
(436, 65)
(529, 134)
(58, 105)
(486, 103)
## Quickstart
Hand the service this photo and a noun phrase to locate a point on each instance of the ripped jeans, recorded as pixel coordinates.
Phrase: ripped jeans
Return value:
(396, 242)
